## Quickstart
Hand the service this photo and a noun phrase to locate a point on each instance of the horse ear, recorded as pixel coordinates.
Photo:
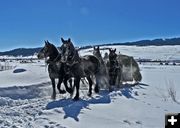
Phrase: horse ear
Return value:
(69, 40)
(47, 42)
(94, 47)
(62, 39)
(115, 50)
(109, 50)
(98, 47)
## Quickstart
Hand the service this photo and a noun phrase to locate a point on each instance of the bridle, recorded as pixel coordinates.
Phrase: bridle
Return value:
(46, 56)
(71, 57)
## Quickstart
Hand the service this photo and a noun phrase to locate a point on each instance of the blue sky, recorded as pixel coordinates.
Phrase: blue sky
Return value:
(27, 23)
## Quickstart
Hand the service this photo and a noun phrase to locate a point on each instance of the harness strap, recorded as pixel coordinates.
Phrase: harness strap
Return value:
(54, 60)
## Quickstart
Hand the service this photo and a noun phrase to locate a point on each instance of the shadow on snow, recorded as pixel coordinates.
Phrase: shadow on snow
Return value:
(26, 92)
(72, 108)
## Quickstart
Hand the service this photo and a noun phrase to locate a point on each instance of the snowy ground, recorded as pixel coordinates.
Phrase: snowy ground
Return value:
(145, 52)
(25, 98)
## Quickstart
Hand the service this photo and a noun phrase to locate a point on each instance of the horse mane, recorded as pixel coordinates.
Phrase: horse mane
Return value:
(75, 53)
(55, 53)
(98, 55)
(54, 47)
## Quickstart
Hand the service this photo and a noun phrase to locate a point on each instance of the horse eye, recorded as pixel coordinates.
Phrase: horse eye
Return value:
(45, 50)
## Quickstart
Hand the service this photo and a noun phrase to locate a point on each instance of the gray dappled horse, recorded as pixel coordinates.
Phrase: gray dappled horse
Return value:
(103, 69)
(80, 67)
(55, 68)
(130, 69)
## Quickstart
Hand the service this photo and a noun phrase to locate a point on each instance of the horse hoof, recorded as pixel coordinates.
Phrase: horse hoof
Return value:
(62, 91)
(96, 89)
(71, 95)
(76, 98)
(70, 91)
(110, 90)
(89, 94)
(53, 97)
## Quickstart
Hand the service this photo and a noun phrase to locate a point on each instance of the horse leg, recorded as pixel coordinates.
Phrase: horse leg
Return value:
(114, 80)
(72, 87)
(54, 89)
(96, 89)
(70, 83)
(119, 78)
(90, 86)
(68, 89)
(59, 86)
(98, 78)
(111, 82)
(76, 83)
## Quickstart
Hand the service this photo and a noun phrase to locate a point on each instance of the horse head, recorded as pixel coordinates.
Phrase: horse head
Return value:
(112, 54)
(96, 51)
(68, 51)
(49, 50)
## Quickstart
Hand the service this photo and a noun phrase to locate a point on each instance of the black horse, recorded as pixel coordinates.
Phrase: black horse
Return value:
(55, 68)
(86, 66)
(114, 68)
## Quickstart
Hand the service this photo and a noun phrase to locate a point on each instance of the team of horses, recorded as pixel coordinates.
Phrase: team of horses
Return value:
(66, 65)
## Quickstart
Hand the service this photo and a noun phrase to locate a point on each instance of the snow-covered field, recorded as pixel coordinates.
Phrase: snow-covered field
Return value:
(26, 90)
(145, 52)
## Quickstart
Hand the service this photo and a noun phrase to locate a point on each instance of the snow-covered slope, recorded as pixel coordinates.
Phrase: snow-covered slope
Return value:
(144, 52)
(24, 74)
(25, 98)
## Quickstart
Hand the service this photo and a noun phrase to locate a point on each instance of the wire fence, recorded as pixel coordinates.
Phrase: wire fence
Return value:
(6, 66)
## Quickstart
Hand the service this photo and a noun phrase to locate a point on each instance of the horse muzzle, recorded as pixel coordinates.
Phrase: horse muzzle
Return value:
(40, 56)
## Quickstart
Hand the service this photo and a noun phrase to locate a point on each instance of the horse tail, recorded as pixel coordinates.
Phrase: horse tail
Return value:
(137, 75)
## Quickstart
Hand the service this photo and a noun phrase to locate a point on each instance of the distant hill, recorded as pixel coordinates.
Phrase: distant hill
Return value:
(156, 42)
(21, 52)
